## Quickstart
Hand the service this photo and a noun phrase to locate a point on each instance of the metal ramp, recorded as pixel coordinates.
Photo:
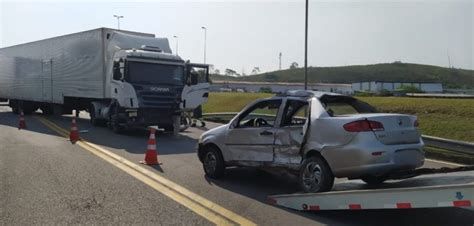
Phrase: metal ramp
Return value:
(428, 191)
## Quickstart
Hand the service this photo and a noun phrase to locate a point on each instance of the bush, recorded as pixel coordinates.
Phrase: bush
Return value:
(265, 90)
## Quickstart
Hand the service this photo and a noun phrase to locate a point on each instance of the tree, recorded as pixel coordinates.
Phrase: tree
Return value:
(255, 70)
(294, 65)
(217, 71)
(230, 72)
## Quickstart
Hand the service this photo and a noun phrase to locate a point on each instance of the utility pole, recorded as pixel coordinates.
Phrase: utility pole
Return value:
(205, 34)
(118, 20)
(449, 59)
(306, 48)
(176, 38)
(280, 61)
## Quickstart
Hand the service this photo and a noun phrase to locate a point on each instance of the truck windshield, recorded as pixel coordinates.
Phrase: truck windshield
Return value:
(153, 73)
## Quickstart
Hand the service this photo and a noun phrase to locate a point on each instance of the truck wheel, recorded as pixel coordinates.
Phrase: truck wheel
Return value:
(185, 122)
(374, 180)
(176, 124)
(15, 110)
(213, 162)
(28, 110)
(47, 110)
(315, 175)
(94, 120)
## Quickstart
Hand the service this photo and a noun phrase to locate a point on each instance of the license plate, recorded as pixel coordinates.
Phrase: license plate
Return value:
(132, 114)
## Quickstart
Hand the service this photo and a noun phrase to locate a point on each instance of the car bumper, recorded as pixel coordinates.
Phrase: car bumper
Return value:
(355, 161)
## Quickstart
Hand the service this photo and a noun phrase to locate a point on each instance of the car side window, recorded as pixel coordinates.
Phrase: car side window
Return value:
(262, 114)
(295, 113)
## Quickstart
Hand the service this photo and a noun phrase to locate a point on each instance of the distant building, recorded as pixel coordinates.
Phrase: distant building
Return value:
(379, 86)
(277, 87)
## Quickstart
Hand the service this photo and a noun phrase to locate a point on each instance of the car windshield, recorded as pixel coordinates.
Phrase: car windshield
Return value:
(344, 105)
(153, 73)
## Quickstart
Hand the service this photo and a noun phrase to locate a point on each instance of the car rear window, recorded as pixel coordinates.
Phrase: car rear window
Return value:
(345, 105)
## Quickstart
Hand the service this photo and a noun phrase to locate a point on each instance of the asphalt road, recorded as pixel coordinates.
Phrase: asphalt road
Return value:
(44, 179)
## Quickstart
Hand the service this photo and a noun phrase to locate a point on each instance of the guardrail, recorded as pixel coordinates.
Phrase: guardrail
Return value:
(452, 145)
(438, 142)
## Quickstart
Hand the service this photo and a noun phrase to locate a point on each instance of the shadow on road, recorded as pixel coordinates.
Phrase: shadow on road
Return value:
(133, 141)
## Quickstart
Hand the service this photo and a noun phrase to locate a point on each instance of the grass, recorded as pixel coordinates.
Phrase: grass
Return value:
(231, 102)
(448, 118)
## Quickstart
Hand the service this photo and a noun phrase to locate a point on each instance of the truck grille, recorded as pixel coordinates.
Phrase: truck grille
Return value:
(157, 99)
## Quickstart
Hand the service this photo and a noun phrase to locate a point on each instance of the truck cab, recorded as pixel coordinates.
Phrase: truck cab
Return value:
(146, 89)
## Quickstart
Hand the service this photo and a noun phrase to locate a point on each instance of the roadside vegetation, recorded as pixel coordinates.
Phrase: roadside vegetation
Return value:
(396, 71)
(447, 118)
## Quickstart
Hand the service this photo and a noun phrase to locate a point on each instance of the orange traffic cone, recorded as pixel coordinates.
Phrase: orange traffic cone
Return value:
(22, 123)
(74, 134)
(151, 156)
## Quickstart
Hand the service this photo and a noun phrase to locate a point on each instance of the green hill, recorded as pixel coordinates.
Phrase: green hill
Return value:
(449, 77)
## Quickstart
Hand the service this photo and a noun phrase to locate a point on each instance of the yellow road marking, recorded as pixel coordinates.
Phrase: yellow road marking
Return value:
(200, 205)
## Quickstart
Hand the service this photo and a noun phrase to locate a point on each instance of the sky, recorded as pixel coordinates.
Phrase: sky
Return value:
(242, 35)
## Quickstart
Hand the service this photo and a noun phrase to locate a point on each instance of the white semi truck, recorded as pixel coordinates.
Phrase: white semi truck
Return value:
(123, 79)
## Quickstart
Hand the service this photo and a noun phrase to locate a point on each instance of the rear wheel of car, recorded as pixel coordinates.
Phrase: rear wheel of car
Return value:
(374, 180)
(213, 162)
(315, 175)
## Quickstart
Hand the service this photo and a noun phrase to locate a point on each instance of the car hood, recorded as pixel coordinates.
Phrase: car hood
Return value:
(215, 131)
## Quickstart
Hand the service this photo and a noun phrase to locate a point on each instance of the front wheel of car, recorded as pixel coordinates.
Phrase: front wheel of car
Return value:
(315, 175)
(213, 162)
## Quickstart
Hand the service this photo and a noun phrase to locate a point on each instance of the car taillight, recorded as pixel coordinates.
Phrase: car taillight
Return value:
(416, 123)
(363, 126)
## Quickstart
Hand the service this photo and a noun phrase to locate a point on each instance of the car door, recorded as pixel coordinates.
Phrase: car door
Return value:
(290, 134)
(252, 134)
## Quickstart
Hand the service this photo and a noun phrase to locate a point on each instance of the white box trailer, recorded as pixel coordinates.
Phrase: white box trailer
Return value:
(121, 77)
(72, 65)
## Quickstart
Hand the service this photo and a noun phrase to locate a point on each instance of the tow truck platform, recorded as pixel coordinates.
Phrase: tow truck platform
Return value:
(428, 188)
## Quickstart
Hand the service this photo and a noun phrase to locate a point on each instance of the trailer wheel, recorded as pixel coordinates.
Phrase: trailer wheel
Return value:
(374, 180)
(94, 120)
(315, 175)
(213, 162)
(47, 110)
(15, 110)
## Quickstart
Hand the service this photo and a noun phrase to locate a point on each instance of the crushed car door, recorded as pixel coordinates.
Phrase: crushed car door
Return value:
(253, 134)
(290, 134)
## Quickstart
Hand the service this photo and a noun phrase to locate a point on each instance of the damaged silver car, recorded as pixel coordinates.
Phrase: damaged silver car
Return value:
(316, 135)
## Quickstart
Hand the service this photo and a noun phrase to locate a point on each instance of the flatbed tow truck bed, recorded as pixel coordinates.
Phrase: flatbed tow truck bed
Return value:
(429, 188)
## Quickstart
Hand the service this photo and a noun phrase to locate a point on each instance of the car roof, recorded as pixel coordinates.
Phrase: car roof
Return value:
(306, 94)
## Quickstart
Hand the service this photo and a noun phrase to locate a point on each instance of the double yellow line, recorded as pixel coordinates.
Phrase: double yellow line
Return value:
(198, 204)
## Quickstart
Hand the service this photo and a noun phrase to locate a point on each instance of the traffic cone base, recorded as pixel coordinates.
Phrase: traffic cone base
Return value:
(22, 123)
(74, 134)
